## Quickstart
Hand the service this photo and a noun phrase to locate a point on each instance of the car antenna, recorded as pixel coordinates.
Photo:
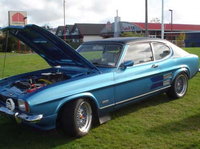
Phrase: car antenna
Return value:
(5, 54)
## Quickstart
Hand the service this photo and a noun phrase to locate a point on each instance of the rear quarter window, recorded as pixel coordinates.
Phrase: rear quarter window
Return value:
(161, 51)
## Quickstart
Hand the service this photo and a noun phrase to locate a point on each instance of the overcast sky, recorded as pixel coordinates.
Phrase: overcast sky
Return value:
(50, 12)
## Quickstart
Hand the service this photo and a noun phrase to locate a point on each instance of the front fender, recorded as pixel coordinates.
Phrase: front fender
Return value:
(73, 97)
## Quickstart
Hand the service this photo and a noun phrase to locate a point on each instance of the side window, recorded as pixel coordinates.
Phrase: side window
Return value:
(139, 53)
(160, 50)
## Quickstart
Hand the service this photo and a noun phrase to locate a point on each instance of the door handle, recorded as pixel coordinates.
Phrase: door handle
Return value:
(154, 66)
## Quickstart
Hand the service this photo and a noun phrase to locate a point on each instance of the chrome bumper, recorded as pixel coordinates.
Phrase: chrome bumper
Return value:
(19, 117)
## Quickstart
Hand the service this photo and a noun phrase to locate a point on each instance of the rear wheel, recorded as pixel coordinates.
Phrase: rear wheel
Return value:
(179, 86)
(76, 118)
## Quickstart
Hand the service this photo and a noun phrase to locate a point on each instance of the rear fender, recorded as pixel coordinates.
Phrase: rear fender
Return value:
(182, 70)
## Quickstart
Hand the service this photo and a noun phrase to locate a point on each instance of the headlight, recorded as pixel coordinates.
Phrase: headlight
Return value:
(10, 104)
(23, 105)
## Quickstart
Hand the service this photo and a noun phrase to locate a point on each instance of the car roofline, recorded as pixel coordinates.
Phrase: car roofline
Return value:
(124, 40)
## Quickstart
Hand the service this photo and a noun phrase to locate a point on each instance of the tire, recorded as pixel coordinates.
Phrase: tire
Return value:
(76, 118)
(179, 86)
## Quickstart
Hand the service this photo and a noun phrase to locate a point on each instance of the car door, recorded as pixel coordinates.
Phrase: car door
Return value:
(164, 62)
(137, 80)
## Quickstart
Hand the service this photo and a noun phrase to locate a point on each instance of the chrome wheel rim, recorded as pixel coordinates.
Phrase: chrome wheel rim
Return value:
(181, 85)
(84, 117)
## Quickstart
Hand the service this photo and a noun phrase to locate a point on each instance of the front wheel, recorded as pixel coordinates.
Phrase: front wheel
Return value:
(179, 86)
(76, 118)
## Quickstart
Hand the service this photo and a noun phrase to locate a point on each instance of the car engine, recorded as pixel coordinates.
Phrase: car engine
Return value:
(35, 82)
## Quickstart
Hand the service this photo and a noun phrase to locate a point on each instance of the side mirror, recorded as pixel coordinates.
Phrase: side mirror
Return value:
(126, 64)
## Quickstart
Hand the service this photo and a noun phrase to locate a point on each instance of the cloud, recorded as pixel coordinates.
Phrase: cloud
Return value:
(39, 11)
(99, 11)
(45, 13)
(185, 11)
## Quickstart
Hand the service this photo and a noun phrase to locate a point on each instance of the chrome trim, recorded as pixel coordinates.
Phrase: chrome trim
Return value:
(168, 56)
(21, 116)
(105, 101)
(199, 69)
(181, 85)
(142, 95)
(167, 75)
(166, 82)
(135, 97)
(123, 53)
(83, 117)
(107, 106)
(152, 50)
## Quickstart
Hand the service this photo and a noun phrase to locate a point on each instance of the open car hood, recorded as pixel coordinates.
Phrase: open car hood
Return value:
(50, 47)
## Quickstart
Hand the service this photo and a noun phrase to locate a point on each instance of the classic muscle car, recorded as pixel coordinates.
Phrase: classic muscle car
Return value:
(86, 84)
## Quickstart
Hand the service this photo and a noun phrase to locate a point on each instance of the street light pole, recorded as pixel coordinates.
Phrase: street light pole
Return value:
(162, 26)
(146, 18)
(64, 29)
(171, 21)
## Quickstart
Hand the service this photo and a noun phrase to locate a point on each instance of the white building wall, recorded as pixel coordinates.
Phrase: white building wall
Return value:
(91, 38)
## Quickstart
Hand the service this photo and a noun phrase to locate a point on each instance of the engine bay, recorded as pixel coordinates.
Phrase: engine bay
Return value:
(32, 83)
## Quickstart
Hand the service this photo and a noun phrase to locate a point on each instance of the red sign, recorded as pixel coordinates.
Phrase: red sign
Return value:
(18, 17)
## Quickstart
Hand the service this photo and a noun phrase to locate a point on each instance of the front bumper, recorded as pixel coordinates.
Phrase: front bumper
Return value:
(19, 117)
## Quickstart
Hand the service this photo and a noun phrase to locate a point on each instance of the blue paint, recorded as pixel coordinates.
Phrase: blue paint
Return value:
(159, 84)
(157, 78)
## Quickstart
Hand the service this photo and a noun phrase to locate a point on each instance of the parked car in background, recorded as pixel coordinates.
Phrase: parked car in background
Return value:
(86, 84)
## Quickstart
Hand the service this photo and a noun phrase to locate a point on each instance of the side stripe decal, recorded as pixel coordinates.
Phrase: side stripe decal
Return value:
(135, 97)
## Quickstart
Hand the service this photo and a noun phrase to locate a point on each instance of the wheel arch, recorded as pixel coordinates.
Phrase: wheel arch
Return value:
(182, 70)
(88, 96)
(172, 92)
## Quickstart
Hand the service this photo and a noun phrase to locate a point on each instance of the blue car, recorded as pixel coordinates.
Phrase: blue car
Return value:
(84, 85)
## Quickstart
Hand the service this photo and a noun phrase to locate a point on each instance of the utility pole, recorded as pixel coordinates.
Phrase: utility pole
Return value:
(146, 18)
(64, 29)
(162, 26)
(171, 21)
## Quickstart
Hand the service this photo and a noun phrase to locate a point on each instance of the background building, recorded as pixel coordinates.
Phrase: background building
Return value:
(192, 39)
(171, 30)
(176, 33)
(80, 32)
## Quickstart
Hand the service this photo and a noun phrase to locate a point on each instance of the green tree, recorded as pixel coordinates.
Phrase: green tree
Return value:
(180, 40)
(131, 34)
(181, 36)
(12, 44)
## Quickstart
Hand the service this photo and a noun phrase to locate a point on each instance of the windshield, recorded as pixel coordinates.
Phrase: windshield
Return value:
(102, 55)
